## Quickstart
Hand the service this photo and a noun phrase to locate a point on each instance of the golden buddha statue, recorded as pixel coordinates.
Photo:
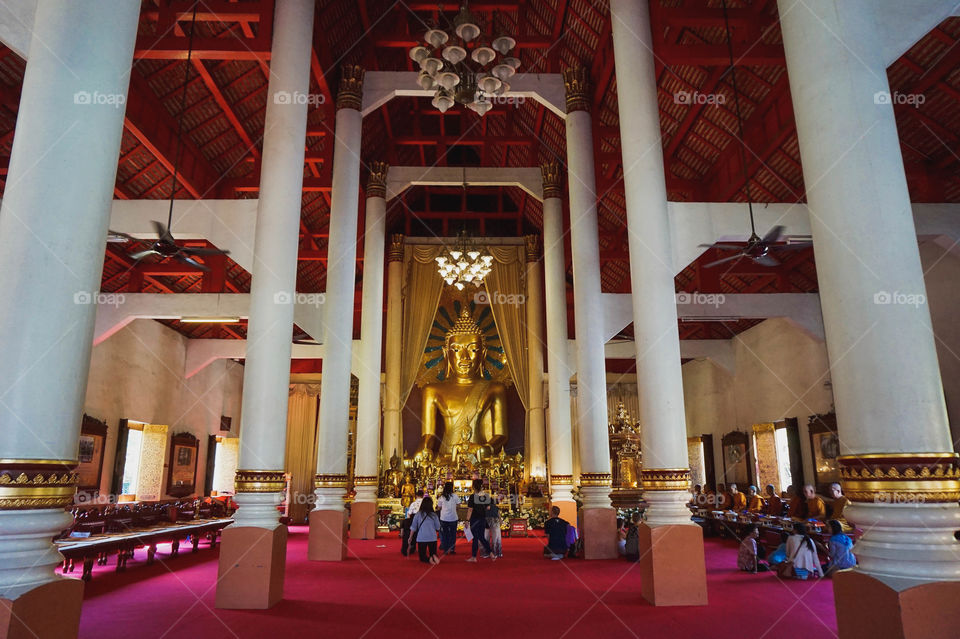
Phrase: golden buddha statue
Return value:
(393, 477)
(408, 492)
(473, 410)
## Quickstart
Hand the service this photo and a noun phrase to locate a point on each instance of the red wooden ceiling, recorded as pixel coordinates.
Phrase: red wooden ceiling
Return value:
(226, 102)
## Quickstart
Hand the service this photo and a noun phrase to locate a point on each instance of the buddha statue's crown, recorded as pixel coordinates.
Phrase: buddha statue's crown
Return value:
(465, 325)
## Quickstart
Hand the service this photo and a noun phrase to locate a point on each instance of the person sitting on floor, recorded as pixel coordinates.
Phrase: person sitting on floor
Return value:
(556, 532)
(774, 506)
(780, 554)
(723, 499)
(816, 508)
(738, 501)
(797, 505)
(802, 551)
(748, 559)
(838, 505)
(839, 549)
(755, 503)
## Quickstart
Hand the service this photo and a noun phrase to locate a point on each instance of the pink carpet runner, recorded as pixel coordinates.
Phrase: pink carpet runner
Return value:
(378, 593)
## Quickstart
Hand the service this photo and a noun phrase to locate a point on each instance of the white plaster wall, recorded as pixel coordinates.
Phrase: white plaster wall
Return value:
(138, 374)
(942, 278)
(780, 372)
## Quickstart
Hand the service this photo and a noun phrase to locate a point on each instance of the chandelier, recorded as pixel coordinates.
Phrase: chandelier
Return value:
(461, 63)
(463, 263)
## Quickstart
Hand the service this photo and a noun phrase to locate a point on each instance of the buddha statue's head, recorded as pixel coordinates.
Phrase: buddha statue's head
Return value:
(464, 348)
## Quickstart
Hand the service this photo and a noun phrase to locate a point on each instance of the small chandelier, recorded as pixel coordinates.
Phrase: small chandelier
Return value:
(462, 64)
(463, 263)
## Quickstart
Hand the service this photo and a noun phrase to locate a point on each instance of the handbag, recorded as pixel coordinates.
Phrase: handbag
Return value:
(785, 567)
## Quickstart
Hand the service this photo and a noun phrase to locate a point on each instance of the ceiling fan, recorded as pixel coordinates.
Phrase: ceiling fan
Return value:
(165, 246)
(758, 249)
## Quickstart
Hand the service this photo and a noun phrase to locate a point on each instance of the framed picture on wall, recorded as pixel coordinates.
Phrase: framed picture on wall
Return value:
(182, 474)
(225, 423)
(93, 439)
(736, 459)
(825, 446)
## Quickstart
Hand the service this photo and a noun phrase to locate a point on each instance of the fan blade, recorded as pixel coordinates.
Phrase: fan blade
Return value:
(792, 247)
(162, 231)
(189, 250)
(123, 235)
(192, 262)
(725, 247)
(139, 255)
(766, 260)
(726, 259)
(773, 235)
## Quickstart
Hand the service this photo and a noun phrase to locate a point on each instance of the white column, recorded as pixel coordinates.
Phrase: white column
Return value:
(596, 478)
(536, 426)
(886, 380)
(53, 225)
(371, 336)
(266, 374)
(392, 429)
(341, 277)
(560, 438)
(665, 473)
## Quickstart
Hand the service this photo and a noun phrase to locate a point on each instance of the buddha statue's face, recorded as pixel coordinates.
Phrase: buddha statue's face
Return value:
(464, 354)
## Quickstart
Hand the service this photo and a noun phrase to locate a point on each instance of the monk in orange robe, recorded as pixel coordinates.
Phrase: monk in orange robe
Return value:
(723, 499)
(816, 508)
(796, 503)
(839, 504)
(755, 503)
(738, 501)
(774, 506)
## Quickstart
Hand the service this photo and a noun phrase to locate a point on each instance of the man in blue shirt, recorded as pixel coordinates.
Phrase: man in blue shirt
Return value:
(556, 531)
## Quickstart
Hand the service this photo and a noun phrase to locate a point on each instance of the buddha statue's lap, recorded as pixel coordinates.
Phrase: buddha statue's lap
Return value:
(471, 410)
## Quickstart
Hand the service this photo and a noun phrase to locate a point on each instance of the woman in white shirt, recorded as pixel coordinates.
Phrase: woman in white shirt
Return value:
(448, 502)
(802, 550)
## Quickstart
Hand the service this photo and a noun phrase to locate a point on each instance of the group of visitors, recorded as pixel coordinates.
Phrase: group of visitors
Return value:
(798, 555)
(798, 505)
(628, 539)
(424, 521)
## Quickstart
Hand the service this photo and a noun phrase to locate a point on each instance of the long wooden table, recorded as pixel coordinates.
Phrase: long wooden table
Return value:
(97, 548)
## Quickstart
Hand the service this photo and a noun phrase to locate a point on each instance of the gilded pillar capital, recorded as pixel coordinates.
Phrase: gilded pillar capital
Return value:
(576, 80)
(552, 179)
(533, 246)
(377, 182)
(395, 249)
(350, 95)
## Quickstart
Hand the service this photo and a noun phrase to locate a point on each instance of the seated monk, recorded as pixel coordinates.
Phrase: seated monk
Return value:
(723, 499)
(774, 506)
(755, 503)
(839, 504)
(816, 508)
(797, 505)
(738, 501)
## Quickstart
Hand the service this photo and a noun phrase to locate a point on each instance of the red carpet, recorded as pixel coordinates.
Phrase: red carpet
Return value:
(378, 593)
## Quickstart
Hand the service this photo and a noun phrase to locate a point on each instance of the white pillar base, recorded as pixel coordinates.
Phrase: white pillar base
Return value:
(561, 492)
(907, 544)
(329, 499)
(596, 496)
(258, 510)
(667, 508)
(366, 494)
(27, 557)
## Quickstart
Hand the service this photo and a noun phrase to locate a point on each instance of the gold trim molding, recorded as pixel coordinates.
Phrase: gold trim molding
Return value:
(365, 480)
(377, 182)
(768, 427)
(552, 180)
(330, 481)
(588, 480)
(259, 481)
(561, 479)
(665, 479)
(576, 81)
(32, 483)
(916, 478)
(395, 248)
(532, 247)
(350, 95)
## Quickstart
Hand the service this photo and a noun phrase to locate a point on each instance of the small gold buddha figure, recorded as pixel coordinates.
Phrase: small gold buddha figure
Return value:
(408, 492)
(473, 410)
(394, 477)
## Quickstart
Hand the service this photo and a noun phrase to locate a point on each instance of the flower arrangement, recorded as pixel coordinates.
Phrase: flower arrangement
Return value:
(535, 517)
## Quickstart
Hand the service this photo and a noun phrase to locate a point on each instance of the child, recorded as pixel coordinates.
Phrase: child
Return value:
(493, 529)
(424, 529)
